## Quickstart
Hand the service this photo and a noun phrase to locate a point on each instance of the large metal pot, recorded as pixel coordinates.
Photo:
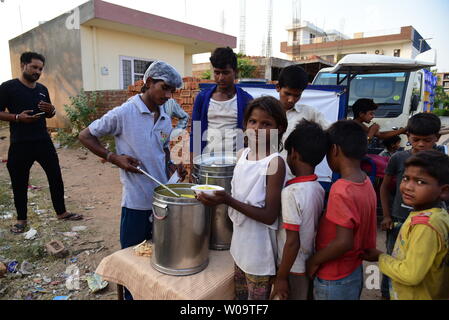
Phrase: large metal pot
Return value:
(217, 169)
(181, 232)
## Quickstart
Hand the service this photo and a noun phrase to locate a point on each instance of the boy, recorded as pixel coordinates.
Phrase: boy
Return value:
(218, 112)
(349, 224)
(423, 134)
(391, 146)
(292, 82)
(302, 205)
(141, 130)
(364, 112)
(419, 265)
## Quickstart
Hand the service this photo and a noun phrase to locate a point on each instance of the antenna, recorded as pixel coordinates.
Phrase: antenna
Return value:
(269, 44)
(242, 44)
(296, 23)
(222, 18)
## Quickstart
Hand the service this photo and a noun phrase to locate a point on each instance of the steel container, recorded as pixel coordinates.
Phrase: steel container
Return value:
(217, 169)
(181, 232)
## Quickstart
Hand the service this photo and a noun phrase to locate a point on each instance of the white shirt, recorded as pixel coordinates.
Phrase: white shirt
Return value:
(253, 244)
(294, 116)
(222, 124)
(302, 206)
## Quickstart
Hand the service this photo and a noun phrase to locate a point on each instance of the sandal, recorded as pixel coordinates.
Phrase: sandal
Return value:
(72, 217)
(18, 228)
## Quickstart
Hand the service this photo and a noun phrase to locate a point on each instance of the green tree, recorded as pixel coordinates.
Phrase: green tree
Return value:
(245, 66)
(207, 75)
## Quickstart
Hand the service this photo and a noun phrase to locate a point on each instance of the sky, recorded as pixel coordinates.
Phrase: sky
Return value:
(430, 18)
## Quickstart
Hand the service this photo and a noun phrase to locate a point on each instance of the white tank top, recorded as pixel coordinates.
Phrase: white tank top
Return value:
(253, 244)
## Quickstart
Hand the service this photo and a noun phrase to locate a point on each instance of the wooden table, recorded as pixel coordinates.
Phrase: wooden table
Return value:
(124, 268)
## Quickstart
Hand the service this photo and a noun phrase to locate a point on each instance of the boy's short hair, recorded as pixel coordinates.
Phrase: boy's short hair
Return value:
(435, 163)
(424, 124)
(391, 141)
(223, 57)
(293, 77)
(363, 106)
(350, 137)
(26, 57)
(309, 140)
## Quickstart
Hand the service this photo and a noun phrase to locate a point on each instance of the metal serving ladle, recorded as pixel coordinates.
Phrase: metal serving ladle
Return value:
(157, 181)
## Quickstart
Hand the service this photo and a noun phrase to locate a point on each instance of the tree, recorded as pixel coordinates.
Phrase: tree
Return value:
(245, 66)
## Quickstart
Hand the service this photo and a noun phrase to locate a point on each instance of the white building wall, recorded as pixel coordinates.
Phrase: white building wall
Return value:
(102, 48)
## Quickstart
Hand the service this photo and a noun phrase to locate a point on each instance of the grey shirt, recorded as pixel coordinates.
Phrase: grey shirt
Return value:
(396, 168)
(136, 135)
(174, 110)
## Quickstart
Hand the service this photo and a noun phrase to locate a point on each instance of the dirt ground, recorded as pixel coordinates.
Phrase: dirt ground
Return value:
(92, 189)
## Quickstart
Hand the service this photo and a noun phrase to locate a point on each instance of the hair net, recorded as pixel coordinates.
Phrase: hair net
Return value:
(160, 70)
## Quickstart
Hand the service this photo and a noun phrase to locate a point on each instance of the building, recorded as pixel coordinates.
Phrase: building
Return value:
(269, 68)
(443, 81)
(101, 46)
(305, 40)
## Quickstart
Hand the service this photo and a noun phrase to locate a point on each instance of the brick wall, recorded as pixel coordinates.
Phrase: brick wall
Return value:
(109, 99)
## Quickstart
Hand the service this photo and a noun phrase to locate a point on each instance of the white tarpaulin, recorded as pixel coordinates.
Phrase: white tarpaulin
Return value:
(327, 102)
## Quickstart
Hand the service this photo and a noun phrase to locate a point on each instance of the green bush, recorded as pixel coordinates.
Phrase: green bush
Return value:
(441, 112)
(80, 113)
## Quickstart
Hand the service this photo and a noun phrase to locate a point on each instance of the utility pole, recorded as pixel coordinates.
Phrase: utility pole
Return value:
(269, 45)
(242, 44)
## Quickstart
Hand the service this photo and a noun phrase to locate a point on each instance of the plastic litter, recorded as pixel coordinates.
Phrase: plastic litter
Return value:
(13, 266)
(70, 234)
(96, 283)
(61, 298)
(79, 228)
(26, 268)
(31, 234)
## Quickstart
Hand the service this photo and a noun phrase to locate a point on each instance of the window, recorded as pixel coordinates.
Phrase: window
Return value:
(132, 70)
(397, 52)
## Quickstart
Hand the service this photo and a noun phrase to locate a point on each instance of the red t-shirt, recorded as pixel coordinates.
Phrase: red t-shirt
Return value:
(351, 205)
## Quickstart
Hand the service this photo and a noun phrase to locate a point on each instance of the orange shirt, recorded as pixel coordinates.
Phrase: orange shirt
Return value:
(351, 205)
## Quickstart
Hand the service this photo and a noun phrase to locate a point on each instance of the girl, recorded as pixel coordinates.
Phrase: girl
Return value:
(255, 202)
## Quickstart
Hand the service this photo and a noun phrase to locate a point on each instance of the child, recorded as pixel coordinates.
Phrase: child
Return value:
(293, 80)
(302, 205)
(423, 134)
(419, 265)
(218, 112)
(391, 146)
(255, 202)
(349, 224)
(364, 112)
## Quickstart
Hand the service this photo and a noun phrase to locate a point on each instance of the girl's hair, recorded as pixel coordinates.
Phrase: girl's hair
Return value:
(274, 109)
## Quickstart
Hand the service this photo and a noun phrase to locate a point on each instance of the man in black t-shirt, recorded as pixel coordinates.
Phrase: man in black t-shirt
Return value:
(28, 104)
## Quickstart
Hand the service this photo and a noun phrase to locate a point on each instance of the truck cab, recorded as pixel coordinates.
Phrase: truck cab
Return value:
(395, 84)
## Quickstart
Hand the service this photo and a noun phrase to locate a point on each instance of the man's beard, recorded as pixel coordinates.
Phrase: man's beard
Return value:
(31, 77)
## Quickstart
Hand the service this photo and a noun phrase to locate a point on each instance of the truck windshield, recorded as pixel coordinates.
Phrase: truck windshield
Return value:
(386, 89)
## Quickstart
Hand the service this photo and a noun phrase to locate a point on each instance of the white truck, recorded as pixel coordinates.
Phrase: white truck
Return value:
(395, 84)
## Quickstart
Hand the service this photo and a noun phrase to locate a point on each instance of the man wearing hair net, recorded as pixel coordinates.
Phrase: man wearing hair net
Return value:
(141, 130)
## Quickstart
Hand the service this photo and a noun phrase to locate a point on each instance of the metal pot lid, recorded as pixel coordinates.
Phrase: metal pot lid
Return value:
(216, 159)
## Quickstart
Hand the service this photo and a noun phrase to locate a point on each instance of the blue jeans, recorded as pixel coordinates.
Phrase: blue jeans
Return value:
(348, 288)
(392, 235)
(135, 227)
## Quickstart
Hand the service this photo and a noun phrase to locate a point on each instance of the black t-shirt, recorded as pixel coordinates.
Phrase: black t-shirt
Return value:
(16, 98)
